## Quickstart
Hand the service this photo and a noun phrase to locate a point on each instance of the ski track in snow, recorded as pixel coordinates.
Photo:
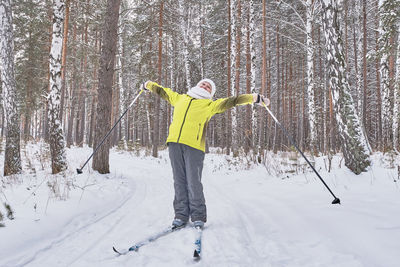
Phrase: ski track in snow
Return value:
(252, 221)
(71, 231)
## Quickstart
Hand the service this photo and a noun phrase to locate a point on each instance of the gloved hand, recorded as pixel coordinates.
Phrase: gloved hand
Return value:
(260, 99)
(143, 86)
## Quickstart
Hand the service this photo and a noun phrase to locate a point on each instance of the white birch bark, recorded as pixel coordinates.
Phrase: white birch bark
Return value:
(310, 75)
(57, 143)
(12, 157)
(354, 145)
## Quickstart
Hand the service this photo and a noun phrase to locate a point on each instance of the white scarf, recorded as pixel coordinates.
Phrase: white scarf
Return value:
(199, 93)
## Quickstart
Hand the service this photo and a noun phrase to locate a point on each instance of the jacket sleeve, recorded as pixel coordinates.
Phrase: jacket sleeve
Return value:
(223, 104)
(165, 93)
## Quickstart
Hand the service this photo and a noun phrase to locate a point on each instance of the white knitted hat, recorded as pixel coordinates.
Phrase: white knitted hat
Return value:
(213, 88)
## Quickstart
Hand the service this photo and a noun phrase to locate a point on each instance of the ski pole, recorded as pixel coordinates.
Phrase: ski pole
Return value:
(336, 200)
(79, 170)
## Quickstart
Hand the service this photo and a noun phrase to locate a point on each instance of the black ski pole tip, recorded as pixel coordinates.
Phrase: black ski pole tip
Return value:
(79, 171)
(336, 201)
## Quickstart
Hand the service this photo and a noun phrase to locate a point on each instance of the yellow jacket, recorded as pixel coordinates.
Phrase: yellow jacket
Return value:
(192, 115)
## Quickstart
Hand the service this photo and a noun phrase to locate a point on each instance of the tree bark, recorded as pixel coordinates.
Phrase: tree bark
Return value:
(248, 133)
(12, 157)
(236, 133)
(156, 135)
(396, 100)
(312, 117)
(56, 136)
(354, 145)
(64, 58)
(388, 15)
(106, 73)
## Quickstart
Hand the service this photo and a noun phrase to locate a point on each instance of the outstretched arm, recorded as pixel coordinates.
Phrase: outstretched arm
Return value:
(223, 104)
(165, 93)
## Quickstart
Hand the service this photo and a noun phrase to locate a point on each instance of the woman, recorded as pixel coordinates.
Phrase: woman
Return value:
(186, 143)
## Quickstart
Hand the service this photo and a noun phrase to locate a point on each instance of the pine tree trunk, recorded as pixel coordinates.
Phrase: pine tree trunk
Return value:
(354, 144)
(388, 15)
(185, 34)
(29, 99)
(84, 89)
(45, 121)
(56, 137)
(12, 157)
(156, 134)
(94, 95)
(378, 81)
(106, 73)
(73, 93)
(396, 100)
(230, 62)
(366, 122)
(278, 89)
(248, 133)
(358, 52)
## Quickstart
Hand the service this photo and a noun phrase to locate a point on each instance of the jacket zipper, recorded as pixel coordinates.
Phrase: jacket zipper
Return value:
(198, 132)
(184, 118)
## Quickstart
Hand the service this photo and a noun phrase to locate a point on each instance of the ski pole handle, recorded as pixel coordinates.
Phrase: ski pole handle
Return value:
(270, 113)
(134, 100)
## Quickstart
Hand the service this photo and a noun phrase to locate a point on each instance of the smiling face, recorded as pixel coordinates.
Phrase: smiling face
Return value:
(206, 86)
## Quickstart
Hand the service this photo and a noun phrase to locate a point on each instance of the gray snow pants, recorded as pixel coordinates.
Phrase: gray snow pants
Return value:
(187, 166)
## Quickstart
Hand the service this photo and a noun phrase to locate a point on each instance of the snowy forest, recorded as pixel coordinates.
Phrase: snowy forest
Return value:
(330, 68)
(71, 68)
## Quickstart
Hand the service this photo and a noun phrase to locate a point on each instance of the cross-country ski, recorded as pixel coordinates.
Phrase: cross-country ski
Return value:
(148, 240)
(197, 244)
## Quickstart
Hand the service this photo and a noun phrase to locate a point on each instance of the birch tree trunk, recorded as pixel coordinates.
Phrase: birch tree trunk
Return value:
(56, 136)
(310, 76)
(106, 73)
(12, 157)
(354, 143)
(233, 55)
(236, 86)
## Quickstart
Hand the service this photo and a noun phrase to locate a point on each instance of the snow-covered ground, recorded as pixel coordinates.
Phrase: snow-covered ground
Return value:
(254, 218)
